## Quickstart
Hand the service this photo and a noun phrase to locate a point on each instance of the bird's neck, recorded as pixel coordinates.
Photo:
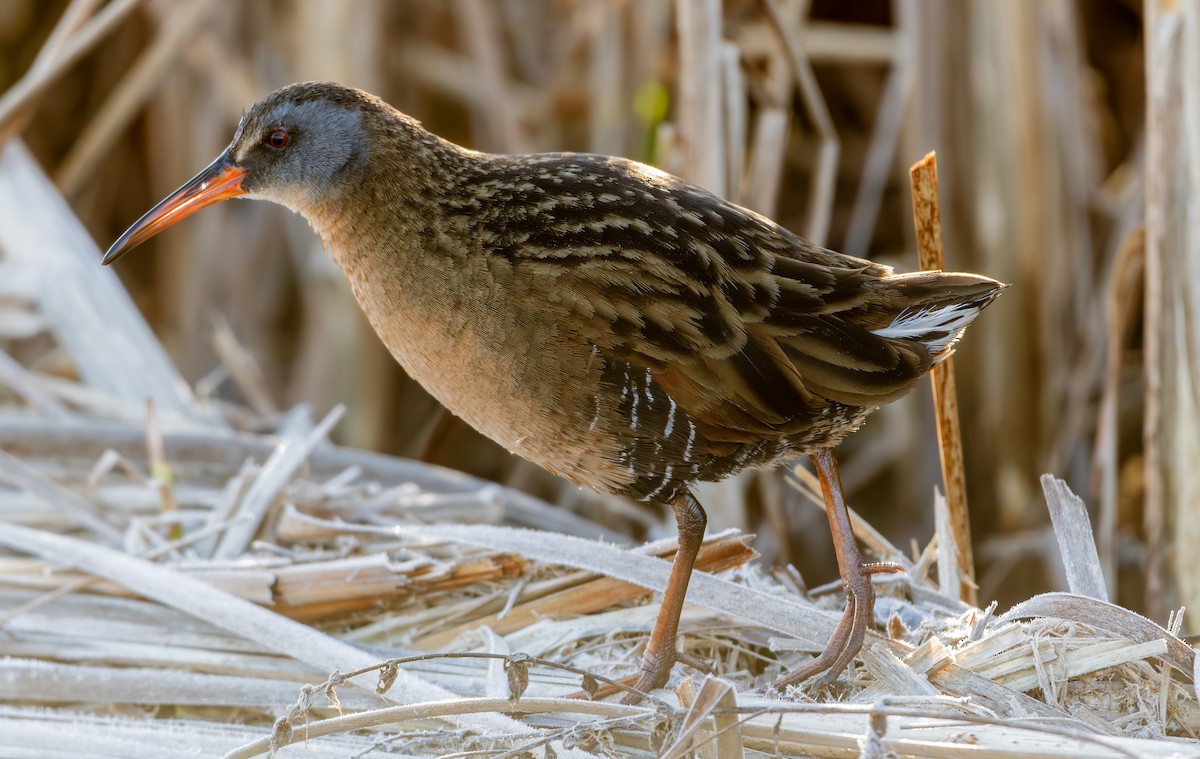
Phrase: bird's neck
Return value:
(389, 231)
(390, 213)
(417, 271)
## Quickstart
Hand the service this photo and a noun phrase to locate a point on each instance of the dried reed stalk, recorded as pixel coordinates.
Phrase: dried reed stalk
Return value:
(1172, 298)
(927, 217)
(373, 551)
(76, 39)
(97, 137)
(824, 178)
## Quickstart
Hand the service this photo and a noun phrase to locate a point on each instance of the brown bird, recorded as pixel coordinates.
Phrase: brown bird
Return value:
(614, 324)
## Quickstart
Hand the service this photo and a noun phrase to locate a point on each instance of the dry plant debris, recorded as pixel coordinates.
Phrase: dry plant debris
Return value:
(179, 588)
(280, 594)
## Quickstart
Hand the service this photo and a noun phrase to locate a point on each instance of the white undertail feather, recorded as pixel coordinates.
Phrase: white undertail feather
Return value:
(938, 327)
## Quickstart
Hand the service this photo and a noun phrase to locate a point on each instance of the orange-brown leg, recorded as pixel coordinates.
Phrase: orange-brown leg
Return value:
(659, 656)
(856, 579)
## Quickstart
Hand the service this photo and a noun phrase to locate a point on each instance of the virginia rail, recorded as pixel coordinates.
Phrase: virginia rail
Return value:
(614, 324)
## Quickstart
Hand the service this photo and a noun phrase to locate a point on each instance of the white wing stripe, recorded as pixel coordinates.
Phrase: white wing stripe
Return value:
(938, 327)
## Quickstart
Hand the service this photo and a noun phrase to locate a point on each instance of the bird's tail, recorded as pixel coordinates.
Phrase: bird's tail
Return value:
(938, 307)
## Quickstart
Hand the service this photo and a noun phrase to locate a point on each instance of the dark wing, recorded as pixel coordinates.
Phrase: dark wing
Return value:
(748, 327)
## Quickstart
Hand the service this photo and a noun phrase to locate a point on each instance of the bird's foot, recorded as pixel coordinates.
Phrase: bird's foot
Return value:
(848, 637)
(637, 686)
(655, 675)
(656, 670)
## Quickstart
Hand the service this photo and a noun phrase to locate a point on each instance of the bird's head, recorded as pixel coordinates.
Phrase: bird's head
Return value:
(296, 146)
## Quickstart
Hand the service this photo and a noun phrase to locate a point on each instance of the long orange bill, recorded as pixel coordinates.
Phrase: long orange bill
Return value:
(220, 181)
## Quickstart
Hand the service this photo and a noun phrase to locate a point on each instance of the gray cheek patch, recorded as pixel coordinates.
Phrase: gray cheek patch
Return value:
(330, 138)
(330, 135)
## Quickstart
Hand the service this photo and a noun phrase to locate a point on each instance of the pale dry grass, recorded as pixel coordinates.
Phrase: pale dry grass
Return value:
(171, 583)
(225, 581)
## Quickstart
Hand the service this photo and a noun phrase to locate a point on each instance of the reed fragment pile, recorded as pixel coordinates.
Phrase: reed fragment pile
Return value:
(179, 584)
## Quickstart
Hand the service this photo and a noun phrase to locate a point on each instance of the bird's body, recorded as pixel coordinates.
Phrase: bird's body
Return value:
(616, 325)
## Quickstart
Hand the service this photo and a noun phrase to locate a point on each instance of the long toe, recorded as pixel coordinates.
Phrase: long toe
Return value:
(825, 660)
(655, 673)
(847, 639)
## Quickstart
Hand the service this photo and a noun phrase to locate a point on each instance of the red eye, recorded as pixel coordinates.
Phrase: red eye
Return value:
(277, 139)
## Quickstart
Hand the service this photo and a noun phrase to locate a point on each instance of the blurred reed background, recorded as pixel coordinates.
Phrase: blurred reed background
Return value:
(809, 112)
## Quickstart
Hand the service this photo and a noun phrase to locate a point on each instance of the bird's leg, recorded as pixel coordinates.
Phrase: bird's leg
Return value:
(659, 656)
(856, 579)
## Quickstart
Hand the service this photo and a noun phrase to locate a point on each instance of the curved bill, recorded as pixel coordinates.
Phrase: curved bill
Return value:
(220, 181)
